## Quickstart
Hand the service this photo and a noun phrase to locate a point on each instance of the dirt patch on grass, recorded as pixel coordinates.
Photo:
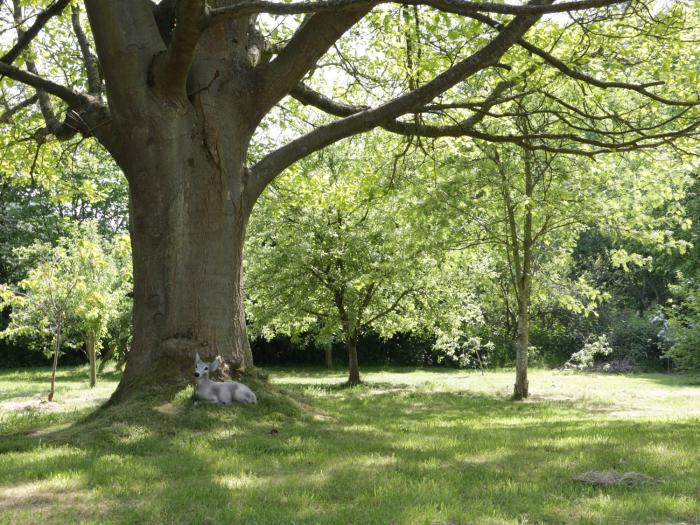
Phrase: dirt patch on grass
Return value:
(35, 405)
(611, 478)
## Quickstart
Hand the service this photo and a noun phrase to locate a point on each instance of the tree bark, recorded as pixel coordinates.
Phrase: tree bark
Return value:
(183, 151)
(90, 343)
(188, 282)
(353, 366)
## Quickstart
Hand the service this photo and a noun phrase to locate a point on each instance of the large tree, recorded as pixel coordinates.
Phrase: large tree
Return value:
(177, 89)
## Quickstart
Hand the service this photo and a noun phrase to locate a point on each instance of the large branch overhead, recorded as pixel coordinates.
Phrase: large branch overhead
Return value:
(538, 141)
(553, 61)
(270, 166)
(460, 7)
(310, 42)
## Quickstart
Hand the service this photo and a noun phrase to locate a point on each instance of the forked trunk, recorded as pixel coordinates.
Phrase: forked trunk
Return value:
(90, 343)
(183, 153)
(181, 119)
(353, 366)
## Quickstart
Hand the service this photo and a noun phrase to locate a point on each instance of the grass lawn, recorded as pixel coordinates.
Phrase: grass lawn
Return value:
(409, 446)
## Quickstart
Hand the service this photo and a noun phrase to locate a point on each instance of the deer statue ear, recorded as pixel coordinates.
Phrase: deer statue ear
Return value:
(196, 358)
(214, 365)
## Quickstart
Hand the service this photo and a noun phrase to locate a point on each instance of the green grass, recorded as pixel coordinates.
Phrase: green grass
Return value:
(409, 446)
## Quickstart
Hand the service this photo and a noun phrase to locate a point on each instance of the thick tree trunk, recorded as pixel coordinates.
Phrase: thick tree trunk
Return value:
(189, 210)
(188, 284)
(90, 344)
(184, 105)
(56, 348)
(522, 343)
(353, 366)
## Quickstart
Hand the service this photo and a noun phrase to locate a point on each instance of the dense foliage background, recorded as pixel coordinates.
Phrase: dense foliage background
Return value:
(646, 308)
(425, 248)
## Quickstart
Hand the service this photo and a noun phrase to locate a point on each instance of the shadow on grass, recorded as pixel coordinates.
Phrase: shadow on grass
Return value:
(360, 455)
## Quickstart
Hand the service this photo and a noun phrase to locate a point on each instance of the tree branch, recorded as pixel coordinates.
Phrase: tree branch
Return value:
(588, 79)
(387, 310)
(539, 141)
(126, 40)
(92, 67)
(28, 35)
(274, 163)
(73, 99)
(61, 130)
(460, 7)
(465, 128)
(310, 42)
(307, 96)
(10, 112)
(171, 68)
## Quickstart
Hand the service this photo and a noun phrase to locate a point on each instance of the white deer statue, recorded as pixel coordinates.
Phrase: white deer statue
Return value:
(226, 392)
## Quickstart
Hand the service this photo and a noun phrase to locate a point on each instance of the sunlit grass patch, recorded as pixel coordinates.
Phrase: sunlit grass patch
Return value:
(409, 446)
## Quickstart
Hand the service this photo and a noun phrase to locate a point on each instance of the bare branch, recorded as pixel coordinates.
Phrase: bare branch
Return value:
(90, 61)
(28, 35)
(461, 7)
(310, 42)
(7, 115)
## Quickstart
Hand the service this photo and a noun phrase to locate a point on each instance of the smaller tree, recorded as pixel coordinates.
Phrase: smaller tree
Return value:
(46, 301)
(332, 252)
(70, 288)
(526, 205)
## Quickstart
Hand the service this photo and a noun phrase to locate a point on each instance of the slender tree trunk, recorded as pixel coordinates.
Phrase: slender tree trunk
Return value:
(521, 389)
(522, 343)
(328, 351)
(90, 343)
(353, 366)
(56, 348)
